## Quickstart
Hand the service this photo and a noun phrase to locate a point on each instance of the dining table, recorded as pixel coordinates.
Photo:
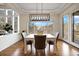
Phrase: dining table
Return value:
(31, 37)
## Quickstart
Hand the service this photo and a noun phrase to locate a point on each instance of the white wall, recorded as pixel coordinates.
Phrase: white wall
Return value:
(8, 40)
(23, 22)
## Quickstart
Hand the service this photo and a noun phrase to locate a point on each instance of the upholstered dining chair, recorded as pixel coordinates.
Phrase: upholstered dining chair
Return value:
(28, 42)
(50, 42)
(40, 42)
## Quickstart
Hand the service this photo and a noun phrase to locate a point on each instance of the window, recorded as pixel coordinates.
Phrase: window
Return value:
(76, 27)
(2, 18)
(2, 12)
(16, 24)
(10, 12)
(65, 27)
(9, 20)
(11, 17)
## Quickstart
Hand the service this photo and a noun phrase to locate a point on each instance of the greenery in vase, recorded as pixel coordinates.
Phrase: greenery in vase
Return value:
(8, 27)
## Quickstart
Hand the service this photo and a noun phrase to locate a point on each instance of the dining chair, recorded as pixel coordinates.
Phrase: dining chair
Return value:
(40, 42)
(28, 42)
(50, 42)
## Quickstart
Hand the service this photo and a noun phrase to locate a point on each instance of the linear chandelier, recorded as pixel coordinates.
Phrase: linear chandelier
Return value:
(39, 15)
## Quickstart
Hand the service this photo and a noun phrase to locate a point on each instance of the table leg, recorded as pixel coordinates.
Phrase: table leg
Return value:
(25, 46)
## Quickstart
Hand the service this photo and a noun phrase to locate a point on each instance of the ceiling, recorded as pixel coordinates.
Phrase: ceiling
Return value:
(45, 6)
(38, 7)
(42, 7)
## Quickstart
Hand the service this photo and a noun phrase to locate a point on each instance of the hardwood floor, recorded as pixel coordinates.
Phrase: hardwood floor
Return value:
(17, 49)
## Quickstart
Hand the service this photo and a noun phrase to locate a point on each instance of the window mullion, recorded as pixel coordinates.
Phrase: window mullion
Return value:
(13, 21)
(6, 16)
(18, 24)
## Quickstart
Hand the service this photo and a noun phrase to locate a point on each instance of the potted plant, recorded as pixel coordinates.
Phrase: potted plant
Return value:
(8, 27)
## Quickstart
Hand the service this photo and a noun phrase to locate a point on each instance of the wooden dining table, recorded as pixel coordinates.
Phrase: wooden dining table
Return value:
(31, 37)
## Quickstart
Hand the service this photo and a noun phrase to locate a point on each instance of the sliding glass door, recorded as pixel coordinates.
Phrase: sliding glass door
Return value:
(76, 27)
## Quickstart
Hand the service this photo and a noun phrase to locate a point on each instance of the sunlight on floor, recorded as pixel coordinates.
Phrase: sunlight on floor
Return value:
(16, 53)
(51, 48)
(65, 49)
(74, 52)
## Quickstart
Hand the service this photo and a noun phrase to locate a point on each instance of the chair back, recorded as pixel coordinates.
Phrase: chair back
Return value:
(40, 41)
(23, 34)
(57, 37)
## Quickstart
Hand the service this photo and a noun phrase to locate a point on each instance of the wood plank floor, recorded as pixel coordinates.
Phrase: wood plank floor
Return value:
(17, 49)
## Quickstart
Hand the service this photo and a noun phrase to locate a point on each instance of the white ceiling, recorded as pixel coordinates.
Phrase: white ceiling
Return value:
(39, 7)
(43, 7)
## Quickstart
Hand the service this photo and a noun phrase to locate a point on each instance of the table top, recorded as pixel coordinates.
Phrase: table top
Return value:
(48, 36)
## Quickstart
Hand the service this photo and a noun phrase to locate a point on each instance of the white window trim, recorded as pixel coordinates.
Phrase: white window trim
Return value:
(18, 24)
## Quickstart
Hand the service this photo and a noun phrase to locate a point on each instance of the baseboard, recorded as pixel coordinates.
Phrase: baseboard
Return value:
(71, 43)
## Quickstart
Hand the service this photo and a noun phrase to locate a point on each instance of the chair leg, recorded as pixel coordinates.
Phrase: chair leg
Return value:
(36, 52)
(31, 48)
(49, 47)
(55, 49)
(44, 51)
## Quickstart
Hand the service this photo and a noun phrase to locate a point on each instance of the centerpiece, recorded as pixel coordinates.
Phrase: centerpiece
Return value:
(39, 30)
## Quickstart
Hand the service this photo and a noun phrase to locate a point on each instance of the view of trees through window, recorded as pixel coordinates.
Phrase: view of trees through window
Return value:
(9, 16)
